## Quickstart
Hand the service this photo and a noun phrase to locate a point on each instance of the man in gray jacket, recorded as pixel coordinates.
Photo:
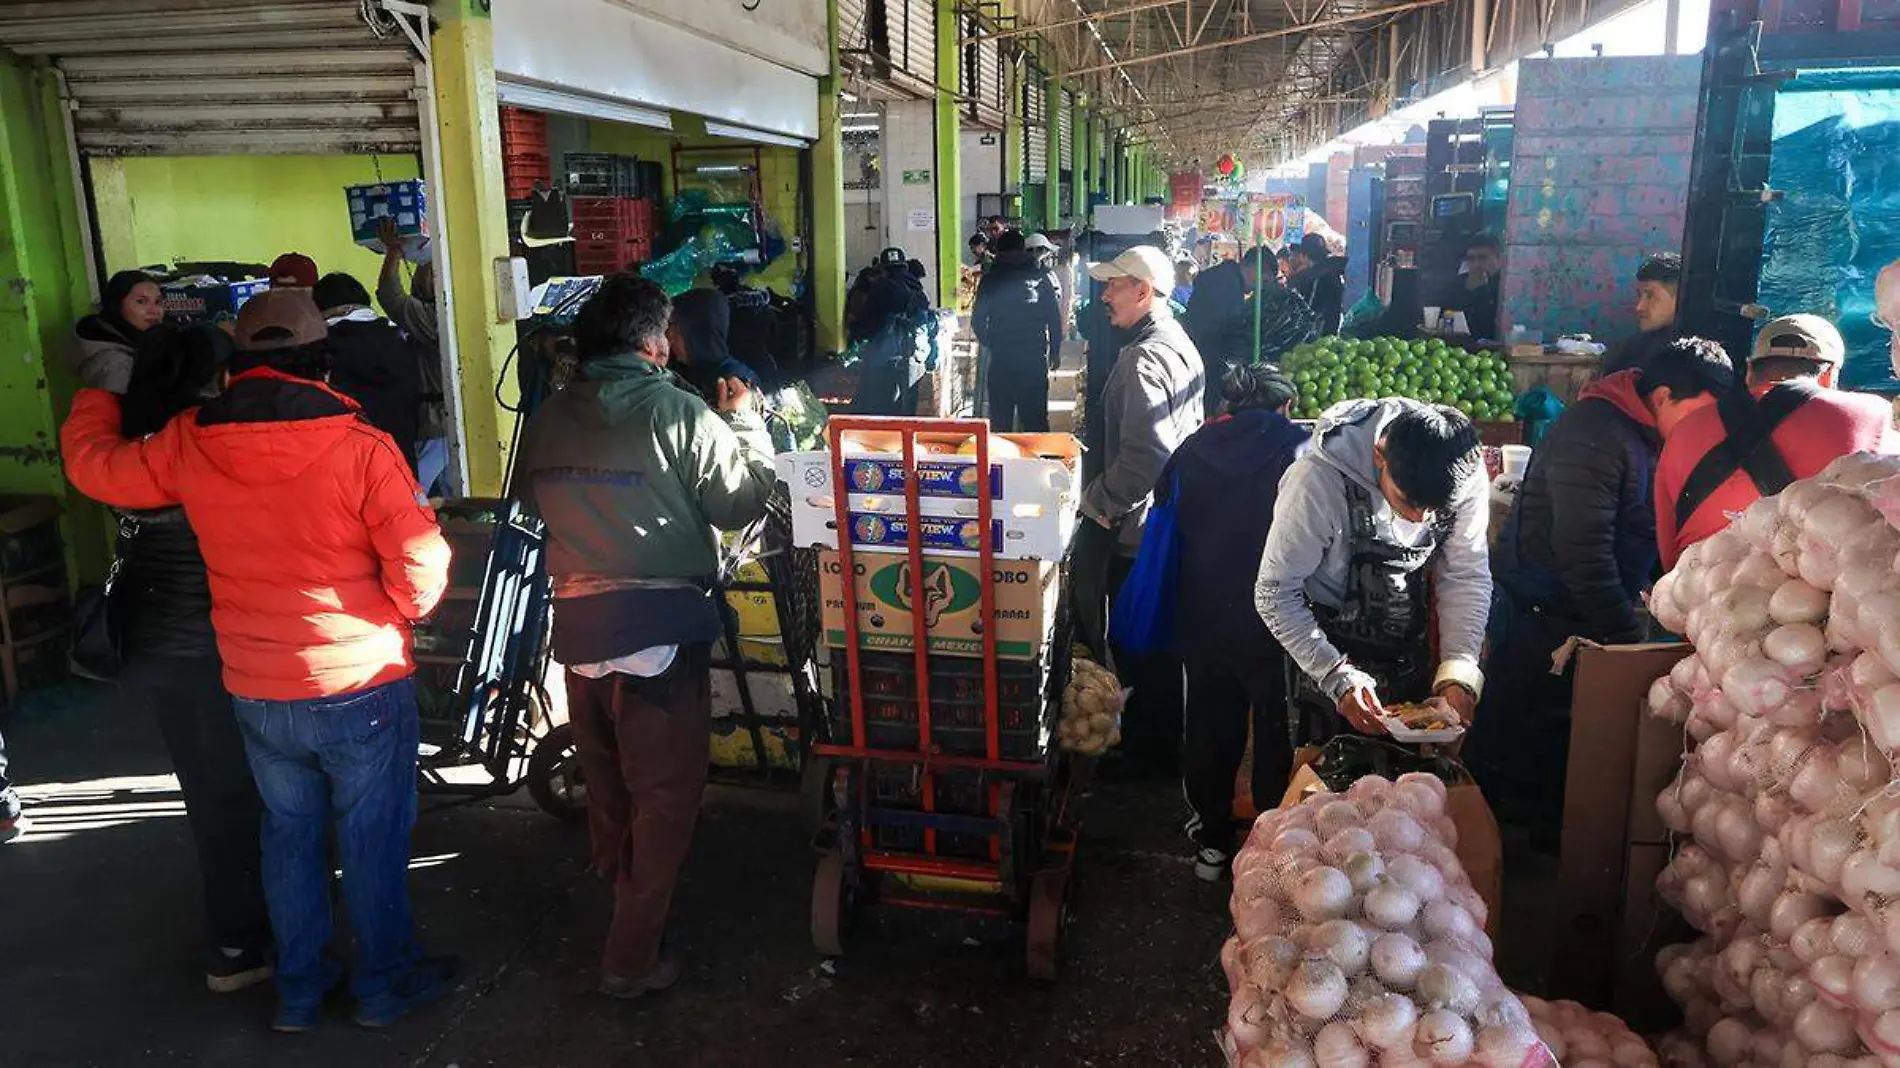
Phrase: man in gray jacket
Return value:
(1151, 402)
(1390, 488)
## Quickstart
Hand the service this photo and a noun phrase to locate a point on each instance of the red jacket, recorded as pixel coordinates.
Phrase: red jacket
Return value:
(1830, 425)
(319, 549)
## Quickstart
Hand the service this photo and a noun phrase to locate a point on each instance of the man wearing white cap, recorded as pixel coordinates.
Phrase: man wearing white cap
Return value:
(1789, 424)
(1150, 403)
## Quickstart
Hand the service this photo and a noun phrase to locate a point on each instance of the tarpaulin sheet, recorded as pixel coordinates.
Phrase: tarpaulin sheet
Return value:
(1836, 161)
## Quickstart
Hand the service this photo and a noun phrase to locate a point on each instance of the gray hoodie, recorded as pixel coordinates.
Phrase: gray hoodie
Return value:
(1308, 555)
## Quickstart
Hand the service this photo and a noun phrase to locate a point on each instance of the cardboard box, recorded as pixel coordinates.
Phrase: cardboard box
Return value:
(1480, 849)
(1621, 757)
(1026, 592)
(208, 300)
(1033, 518)
(1648, 925)
(406, 202)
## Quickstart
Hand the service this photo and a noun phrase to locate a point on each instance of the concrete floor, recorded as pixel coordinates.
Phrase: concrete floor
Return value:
(99, 934)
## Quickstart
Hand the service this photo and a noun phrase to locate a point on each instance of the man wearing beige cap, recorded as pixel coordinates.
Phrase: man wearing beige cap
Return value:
(1789, 424)
(320, 556)
(1151, 401)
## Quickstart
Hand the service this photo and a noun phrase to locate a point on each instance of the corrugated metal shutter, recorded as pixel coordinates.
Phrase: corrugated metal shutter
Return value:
(981, 76)
(224, 77)
(993, 102)
(1036, 142)
(1065, 130)
(912, 26)
(854, 26)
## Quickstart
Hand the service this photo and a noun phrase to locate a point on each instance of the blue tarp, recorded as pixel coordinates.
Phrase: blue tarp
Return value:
(1836, 160)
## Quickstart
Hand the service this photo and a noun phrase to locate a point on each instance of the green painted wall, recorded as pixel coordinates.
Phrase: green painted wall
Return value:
(162, 209)
(778, 173)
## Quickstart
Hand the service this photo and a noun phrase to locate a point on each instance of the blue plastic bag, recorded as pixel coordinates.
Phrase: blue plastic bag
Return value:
(1142, 621)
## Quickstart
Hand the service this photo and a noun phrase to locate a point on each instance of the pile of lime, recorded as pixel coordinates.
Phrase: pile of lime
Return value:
(1333, 369)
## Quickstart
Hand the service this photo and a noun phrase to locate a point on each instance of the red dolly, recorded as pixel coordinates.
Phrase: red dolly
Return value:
(966, 815)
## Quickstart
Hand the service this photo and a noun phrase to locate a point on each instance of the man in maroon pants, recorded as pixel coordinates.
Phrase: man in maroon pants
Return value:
(632, 471)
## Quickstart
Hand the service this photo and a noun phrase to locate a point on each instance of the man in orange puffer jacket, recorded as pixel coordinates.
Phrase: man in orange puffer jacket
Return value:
(320, 553)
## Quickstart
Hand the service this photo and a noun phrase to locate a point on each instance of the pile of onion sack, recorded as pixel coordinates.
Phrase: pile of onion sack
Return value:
(1360, 941)
(1786, 814)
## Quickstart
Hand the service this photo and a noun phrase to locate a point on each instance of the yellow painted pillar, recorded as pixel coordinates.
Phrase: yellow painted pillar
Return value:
(475, 216)
(827, 199)
(949, 158)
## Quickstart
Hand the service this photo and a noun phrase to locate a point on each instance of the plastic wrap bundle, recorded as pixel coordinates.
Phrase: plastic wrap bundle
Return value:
(1359, 940)
(1788, 821)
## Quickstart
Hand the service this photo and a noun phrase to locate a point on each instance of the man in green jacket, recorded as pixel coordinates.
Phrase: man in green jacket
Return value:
(632, 472)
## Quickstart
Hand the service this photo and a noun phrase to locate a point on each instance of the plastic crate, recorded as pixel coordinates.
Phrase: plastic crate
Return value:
(524, 131)
(608, 257)
(956, 705)
(601, 174)
(957, 792)
(405, 202)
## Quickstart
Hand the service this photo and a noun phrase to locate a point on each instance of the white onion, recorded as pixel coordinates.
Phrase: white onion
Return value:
(1799, 647)
(1388, 1022)
(1391, 905)
(1396, 831)
(1316, 989)
(1347, 843)
(1397, 960)
(1440, 986)
(1416, 875)
(1336, 1046)
(1345, 943)
(1443, 1038)
(1794, 601)
(1363, 871)
(1822, 1028)
(1877, 983)
(1322, 894)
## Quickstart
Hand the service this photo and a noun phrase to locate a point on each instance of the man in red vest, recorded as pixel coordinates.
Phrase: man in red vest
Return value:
(1791, 423)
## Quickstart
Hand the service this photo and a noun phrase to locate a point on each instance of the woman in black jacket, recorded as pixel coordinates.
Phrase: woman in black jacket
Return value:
(171, 665)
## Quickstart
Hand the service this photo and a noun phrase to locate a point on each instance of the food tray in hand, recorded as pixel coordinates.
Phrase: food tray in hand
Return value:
(1420, 725)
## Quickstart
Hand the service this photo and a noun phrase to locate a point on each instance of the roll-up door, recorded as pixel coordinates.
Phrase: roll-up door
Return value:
(225, 77)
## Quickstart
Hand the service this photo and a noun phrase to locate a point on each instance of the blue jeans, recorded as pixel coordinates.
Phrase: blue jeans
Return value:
(350, 760)
(432, 463)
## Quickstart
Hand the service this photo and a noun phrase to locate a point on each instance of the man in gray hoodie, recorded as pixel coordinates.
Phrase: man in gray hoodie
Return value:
(1391, 488)
(1151, 402)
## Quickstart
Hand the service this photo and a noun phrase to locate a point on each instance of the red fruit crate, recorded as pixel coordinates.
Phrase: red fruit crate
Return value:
(520, 172)
(524, 132)
(609, 257)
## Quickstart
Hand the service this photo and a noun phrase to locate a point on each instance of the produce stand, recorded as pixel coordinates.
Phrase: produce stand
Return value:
(942, 787)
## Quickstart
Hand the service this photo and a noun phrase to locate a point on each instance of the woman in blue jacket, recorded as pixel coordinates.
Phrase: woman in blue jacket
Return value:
(1223, 481)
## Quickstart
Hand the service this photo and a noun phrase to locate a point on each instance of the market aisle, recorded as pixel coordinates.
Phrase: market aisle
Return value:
(100, 931)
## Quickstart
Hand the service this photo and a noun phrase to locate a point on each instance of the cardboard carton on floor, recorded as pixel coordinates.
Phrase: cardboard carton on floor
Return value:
(1621, 757)
(1480, 851)
(1025, 598)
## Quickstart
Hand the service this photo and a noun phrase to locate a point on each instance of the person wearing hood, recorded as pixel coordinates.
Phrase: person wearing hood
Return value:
(892, 333)
(632, 471)
(1391, 493)
(1574, 560)
(106, 343)
(1223, 481)
(696, 338)
(1150, 403)
(1018, 318)
(371, 362)
(320, 557)
(1319, 278)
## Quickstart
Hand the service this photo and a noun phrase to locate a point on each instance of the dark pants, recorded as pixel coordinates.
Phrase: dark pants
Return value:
(644, 746)
(348, 760)
(1019, 392)
(1519, 745)
(1151, 722)
(1221, 690)
(886, 389)
(187, 697)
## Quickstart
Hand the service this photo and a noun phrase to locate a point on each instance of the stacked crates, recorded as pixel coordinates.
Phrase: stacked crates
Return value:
(611, 232)
(524, 152)
(35, 609)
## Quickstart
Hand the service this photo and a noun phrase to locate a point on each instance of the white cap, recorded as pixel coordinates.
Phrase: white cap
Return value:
(1039, 241)
(1145, 262)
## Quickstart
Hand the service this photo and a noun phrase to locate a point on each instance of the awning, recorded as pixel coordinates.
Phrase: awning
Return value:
(225, 77)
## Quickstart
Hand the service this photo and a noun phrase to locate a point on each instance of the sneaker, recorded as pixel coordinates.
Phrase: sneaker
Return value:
(1210, 865)
(663, 975)
(430, 980)
(228, 971)
(295, 1019)
(12, 824)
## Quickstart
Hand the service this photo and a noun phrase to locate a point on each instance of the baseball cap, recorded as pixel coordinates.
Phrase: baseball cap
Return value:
(894, 257)
(1801, 337)
(294, 269)
(278, 319)
(1040, 241)
(1145, 262)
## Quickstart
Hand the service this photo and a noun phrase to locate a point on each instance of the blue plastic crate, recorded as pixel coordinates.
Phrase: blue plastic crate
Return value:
(407, 202)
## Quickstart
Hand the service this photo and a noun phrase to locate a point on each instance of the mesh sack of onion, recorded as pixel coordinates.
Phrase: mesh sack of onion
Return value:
(1785, 813)
(1359, 941)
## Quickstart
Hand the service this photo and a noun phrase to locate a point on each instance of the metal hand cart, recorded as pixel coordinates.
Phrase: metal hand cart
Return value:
(934, 800)
(487, 727)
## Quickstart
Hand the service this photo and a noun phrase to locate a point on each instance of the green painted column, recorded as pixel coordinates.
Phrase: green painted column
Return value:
(949, 162)
(1080, 124)
(43, 264)
(1052, 131)
(827, 202)
(1013, 139)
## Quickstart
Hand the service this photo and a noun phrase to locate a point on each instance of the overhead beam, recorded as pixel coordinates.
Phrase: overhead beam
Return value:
(1264, 35)
(1079, 20)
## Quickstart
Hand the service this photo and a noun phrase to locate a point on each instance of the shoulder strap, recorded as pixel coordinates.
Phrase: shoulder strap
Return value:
(1748, 447)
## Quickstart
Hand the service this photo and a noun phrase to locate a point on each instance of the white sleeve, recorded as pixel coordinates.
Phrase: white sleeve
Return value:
(1308, 515)
(1462, 570)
